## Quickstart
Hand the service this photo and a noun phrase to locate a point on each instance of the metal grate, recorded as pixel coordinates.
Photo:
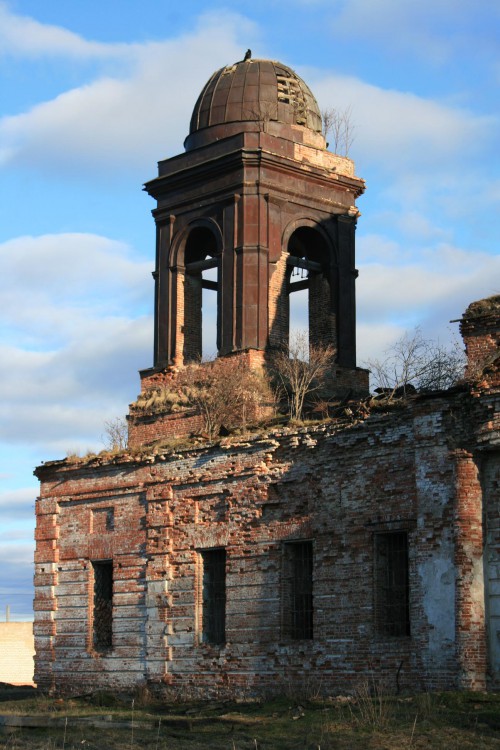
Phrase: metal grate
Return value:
(214, 596)
(392, 600)
(298, 590)
(103, 606)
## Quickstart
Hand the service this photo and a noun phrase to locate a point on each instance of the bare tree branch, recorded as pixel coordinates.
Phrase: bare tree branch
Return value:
(415, 363)
(339, 124)
(226, 392)
(300, 370)
(115, 436)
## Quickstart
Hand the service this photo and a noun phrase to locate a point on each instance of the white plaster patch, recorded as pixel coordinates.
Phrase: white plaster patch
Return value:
(437, 577)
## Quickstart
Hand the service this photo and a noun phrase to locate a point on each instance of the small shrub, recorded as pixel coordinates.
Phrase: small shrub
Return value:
(227, 393)
(371, 708)
(115, 437)
(299, 370)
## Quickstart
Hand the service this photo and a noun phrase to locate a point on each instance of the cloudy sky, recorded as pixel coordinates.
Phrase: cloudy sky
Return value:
(93, 94)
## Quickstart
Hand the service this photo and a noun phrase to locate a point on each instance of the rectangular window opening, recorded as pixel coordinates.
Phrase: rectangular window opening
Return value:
(102, 617)
(392, 596)
(214, 596)
(297, 591)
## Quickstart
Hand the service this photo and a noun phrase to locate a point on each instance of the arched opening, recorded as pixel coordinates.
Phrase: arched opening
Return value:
(201, 306)
(308, 291)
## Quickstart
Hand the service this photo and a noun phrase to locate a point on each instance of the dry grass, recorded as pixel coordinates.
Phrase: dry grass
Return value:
(367, 719)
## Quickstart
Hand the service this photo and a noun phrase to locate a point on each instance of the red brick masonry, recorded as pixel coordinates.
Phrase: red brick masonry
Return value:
(427, 470)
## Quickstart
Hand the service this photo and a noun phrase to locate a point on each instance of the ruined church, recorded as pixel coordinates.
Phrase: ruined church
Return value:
(367, 543)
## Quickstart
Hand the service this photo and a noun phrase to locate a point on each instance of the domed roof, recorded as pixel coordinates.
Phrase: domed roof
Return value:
(253, 91)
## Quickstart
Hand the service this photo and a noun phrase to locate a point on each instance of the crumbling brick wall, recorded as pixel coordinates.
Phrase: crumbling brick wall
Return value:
(481, 333)
(338, 489)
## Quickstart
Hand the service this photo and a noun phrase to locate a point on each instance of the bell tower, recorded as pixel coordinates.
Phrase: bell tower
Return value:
(255, 201)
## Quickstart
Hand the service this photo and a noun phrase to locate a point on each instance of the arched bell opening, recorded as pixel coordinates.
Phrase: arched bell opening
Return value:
(201, 326)
(309, 277)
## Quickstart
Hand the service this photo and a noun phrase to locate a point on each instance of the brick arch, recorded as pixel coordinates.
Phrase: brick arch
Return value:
(178, 247)
(317, 226)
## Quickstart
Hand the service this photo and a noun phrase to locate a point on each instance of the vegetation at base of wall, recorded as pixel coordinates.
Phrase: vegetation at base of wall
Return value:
(112, 721)
(483, 307)
(234, 400)
(161, 400)
(297, 382)
(226, 392)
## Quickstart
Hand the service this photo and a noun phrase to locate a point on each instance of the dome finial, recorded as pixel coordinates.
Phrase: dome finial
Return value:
(248, 55)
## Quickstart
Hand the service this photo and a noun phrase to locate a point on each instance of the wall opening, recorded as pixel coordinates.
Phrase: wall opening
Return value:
(102, 612)
(297, 590)
(214, 596)
(298, 307)
(392, 595)
(309, 296)
(201, 305)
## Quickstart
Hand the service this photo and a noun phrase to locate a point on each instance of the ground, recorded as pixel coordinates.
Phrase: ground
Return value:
(368, 719)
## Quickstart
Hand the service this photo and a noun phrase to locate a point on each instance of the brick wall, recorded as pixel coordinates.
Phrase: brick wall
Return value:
(278, 304)
(146, 429)
(191, 324)
(337, 487)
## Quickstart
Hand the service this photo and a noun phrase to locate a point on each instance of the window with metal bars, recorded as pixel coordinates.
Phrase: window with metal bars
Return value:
(214, 596)
(392, 596)
(297, 590)
(102, 616)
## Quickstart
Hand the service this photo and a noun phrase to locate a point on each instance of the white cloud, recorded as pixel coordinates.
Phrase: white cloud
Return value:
(131, 120)
(433, 30)
(396, 129)
(18, 502)
(16, 535)
(63, 397)
(374, 338)
(26, 37)
(83, 261)
(75, 333)
(66, 280)
(426, 161)
(429, 291)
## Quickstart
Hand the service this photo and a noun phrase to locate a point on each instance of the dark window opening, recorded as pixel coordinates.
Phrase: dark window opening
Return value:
(298, 590)
(392, 600)
(102, 620)
(214, 596)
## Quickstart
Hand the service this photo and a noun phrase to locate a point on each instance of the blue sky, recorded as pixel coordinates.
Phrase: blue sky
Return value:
(92, 95)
